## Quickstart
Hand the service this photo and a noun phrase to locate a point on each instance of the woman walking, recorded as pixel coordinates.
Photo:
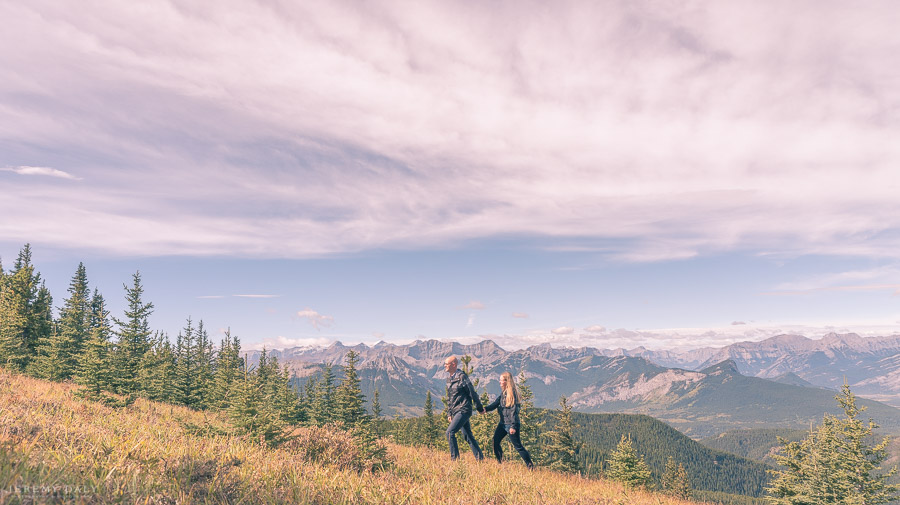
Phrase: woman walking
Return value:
(507, 405)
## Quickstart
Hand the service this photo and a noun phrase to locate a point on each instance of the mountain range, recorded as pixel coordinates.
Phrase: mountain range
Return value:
(786, 381)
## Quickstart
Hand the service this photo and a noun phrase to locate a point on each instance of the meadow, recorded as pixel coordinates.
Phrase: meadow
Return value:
(56, 447)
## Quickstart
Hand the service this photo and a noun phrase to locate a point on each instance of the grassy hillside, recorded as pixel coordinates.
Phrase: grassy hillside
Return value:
(55, 447)
(709, 470)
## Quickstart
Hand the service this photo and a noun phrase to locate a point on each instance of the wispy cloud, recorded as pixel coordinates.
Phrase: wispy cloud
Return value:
(520, 315)
(473, 305)
(563, 330)
(663, 133)
(318, 321)
(44, 171)
(256, 296)
(866, 287)
(595, 329)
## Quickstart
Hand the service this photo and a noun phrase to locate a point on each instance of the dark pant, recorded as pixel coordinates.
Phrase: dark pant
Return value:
(461, 422)
(503, 430)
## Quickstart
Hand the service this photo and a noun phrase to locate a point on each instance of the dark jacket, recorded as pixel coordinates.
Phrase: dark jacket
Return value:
(508, 415)
(460, 394)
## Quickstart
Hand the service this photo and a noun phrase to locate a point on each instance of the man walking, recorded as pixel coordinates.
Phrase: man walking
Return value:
(460, 395)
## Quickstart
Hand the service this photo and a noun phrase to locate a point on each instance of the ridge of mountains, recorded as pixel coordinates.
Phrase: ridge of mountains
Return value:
(786, 381)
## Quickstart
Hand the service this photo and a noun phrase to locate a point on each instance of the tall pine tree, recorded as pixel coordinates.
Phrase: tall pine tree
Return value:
(323, 402)
(349, 400)
(14, 353)
(61, 352)
(186, 366)
(835, 463)
(93, 364)
(431, 434)
(204, 358)
(562, 449)
(133, 338)
(227, 370)
(25, 313)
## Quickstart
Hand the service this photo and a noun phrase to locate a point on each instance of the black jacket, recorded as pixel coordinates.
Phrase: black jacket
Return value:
(508, 415)
(460, 394)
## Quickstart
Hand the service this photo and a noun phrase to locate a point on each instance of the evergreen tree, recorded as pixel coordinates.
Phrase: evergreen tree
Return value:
(186, 366)
(627, 467)
(98, 316)
(835, 463)
(13, 351)
(350, 410)
(203, 357)
(311, 388)
(45, 332)
(133, 338)
(562, 449)
(349, 400)
(376, 410)
(276, 391)
(323, 403)
(675, 481)
(227, 369)
(158, 372)
(33, 301)
(60, 356)
(93, 364)
(431, 432)
(251, 410)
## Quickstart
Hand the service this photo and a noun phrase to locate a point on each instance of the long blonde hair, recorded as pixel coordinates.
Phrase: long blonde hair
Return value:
(512, 393)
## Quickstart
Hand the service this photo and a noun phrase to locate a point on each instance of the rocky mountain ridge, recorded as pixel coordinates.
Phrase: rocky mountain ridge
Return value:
(699, 399)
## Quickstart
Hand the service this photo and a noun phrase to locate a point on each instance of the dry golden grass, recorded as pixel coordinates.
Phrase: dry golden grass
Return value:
(58, 448)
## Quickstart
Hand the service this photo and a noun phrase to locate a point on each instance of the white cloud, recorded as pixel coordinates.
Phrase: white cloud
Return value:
(45, 171)
(471, 321)
(281, 342)
(256, 296)
(563, 330)
(737, 323)
(663, 133)
(317, 320)
(595, 329)
(474, 305)
(692, 338)
(520, 315)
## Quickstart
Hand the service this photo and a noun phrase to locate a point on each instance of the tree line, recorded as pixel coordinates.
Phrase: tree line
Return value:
(117, 360)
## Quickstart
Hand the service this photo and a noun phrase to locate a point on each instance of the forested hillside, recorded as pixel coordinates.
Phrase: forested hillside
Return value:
(755, 444)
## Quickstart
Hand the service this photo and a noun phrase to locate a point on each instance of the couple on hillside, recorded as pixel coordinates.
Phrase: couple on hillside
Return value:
(461, 394)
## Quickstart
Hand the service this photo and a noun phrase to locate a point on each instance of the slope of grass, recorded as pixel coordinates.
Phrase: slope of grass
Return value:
(57, 448)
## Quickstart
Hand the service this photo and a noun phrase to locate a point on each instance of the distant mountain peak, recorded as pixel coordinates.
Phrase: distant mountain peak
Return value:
(729, 366)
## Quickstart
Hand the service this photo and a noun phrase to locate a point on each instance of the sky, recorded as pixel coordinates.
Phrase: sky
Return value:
(612, 174)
